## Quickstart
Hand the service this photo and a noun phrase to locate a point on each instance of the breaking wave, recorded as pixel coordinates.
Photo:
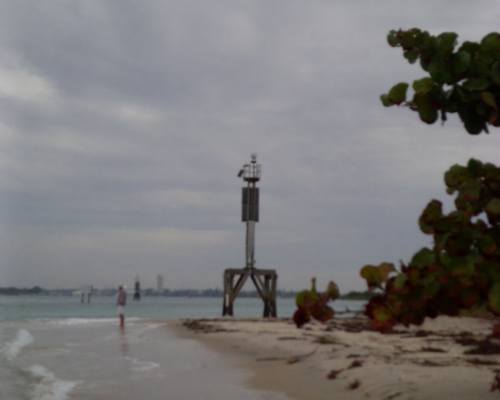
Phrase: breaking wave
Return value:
(47, 386)
(12, 349)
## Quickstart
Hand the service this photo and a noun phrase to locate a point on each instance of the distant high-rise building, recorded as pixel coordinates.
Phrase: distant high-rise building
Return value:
(159, 283)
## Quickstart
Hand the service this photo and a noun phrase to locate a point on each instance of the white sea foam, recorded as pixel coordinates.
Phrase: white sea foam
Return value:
(48, 386)
(12, 349)
(81, 321)
(142, 366)
(87, 321)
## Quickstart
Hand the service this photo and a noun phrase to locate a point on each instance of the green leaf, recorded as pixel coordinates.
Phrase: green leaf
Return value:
(471, 190)
(385, 270)
(322, 313)
(385, 100)
(460, 266)
(423, 258)
(487, 245)
(376, 275)
(473, 123)
(455, 176)
(470, 47)
(423, 85)
(382, 314)
(408, 38)
(431, 286)
(371, 275)
(446, 42)
(400, 281)
(306, 298)
(475, 167)
(414, 275)
(440, 241)
(493, 207)
(392, 38)
(495, 72)
(490, 44)
(425, 107)
(440, 71)
(431, 214)
(397, 94)
(411, 55)
(489, 99)
(475, 84)
(460, 63)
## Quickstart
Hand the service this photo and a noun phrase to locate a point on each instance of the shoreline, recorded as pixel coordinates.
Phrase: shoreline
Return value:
(263, 362)
(344, 359)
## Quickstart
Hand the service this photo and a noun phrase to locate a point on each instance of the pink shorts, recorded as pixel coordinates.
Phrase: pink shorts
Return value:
(120, 310)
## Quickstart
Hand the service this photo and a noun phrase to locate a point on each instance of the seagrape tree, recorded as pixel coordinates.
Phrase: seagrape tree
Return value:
(463, 80)
(462, 268)
(313, 305)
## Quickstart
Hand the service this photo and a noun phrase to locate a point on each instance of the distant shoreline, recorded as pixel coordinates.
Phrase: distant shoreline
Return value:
(217, 293)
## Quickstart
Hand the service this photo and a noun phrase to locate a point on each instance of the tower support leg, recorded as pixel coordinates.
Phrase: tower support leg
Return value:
(227, 307)
(265, 282)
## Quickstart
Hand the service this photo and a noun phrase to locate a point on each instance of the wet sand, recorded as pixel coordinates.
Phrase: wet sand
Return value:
(92, 359)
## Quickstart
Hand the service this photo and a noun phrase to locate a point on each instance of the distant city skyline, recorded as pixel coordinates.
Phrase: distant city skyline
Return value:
(123, 126)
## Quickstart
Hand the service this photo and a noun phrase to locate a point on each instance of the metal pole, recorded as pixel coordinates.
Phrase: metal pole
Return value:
(251, 244)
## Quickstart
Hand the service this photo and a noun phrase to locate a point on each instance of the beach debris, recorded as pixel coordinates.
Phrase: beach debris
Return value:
(289, 360)
(201, 326)
(393, 396)
(432, 350)
(355, 364)
(326, 339)
(354, 385)
(430, 363)
(259, 359)
(296, 359)
(495, 385)
(484, 347)
(334, 373)
(353, 325)
(479, 361)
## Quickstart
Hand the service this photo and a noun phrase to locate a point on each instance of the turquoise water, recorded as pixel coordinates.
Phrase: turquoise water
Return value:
(48, 307)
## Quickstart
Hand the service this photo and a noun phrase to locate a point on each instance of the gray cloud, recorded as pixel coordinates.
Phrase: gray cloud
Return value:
(122, 126)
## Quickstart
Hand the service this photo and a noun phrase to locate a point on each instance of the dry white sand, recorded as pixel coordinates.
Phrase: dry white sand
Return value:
(446, 358)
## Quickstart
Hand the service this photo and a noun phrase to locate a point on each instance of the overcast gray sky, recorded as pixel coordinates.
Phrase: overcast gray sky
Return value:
(123, 125)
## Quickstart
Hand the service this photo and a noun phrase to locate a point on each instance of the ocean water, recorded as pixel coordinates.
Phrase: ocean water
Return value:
(15, 308)
(54, 348)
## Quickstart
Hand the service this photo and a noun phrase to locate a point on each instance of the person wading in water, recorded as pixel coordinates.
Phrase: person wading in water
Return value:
(121, 301)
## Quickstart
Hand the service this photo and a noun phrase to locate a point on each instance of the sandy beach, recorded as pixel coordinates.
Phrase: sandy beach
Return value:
(446, 358)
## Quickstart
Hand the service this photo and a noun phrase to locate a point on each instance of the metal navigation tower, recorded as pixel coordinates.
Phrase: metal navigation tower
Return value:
(137, 289)
(265, 280)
